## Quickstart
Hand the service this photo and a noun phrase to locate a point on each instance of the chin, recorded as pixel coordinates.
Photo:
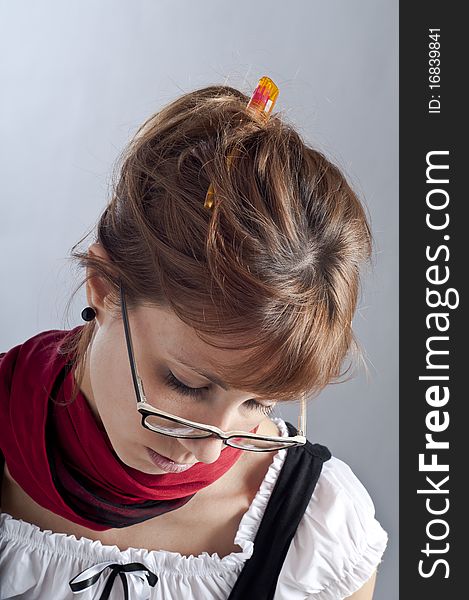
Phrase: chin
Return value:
(149, 469)
(125, 460)
(140, 463)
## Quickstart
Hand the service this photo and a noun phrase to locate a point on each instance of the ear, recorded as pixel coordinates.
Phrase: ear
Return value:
(96, 288)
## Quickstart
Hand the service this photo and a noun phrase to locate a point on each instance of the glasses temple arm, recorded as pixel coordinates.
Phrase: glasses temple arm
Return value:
(302, 417)
(138, 384)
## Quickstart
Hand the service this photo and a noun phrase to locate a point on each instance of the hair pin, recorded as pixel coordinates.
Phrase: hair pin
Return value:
(262, 101)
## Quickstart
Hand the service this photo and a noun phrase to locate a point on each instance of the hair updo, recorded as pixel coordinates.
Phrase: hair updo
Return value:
(272, 268)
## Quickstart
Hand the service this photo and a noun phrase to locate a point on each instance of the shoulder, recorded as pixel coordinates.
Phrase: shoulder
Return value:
(33, 346)
(339, 542)
(37, 352)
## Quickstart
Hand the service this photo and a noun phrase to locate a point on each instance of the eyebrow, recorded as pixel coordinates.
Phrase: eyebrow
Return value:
(213, 378)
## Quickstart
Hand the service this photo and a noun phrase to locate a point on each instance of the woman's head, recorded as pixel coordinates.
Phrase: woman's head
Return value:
(269, 275)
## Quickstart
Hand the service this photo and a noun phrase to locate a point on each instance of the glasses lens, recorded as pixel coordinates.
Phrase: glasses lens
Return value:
(169, 427)
(172, 428)
(256, 444)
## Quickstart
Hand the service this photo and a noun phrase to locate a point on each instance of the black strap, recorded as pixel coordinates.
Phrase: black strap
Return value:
(287, 504)
(2, 459)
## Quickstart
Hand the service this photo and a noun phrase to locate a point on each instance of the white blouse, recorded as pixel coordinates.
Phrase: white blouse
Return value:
(336, 547)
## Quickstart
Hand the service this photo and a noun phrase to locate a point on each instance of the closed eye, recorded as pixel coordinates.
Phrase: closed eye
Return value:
(174, 383)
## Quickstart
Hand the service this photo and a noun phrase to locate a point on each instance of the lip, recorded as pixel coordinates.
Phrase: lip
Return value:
(165, 463)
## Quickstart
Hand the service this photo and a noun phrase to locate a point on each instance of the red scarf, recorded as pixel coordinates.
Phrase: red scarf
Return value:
(62, 457)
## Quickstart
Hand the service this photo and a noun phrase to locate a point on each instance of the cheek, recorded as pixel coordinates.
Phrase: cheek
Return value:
(113, 391)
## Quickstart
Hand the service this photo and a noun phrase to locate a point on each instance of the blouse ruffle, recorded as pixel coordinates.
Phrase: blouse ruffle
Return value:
(339, 542)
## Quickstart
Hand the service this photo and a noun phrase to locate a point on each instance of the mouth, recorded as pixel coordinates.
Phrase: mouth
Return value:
(166, 464)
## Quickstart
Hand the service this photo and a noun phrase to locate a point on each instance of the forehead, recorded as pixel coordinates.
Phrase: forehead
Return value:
(164, 332)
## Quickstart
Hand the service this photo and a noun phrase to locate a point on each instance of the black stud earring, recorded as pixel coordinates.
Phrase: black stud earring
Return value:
(88, 313)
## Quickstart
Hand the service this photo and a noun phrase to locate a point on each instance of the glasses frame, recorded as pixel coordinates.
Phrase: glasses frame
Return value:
(146, 409)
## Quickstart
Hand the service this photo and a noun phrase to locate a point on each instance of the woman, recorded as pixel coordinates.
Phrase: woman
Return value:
(222, 281)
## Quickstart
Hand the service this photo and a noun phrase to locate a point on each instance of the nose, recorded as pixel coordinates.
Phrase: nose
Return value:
(206, 450)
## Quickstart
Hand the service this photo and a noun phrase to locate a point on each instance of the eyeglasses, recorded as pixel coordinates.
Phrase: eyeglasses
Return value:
(173, 426)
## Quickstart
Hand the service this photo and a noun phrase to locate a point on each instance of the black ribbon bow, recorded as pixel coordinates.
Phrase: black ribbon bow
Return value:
(142, 576)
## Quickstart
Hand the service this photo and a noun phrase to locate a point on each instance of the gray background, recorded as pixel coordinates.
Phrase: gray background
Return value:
(78, 77)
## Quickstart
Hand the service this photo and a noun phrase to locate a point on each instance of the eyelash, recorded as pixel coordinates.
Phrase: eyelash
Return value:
(174, 383)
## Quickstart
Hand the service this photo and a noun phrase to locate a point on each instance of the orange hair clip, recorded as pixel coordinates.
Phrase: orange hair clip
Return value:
(262, 101)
